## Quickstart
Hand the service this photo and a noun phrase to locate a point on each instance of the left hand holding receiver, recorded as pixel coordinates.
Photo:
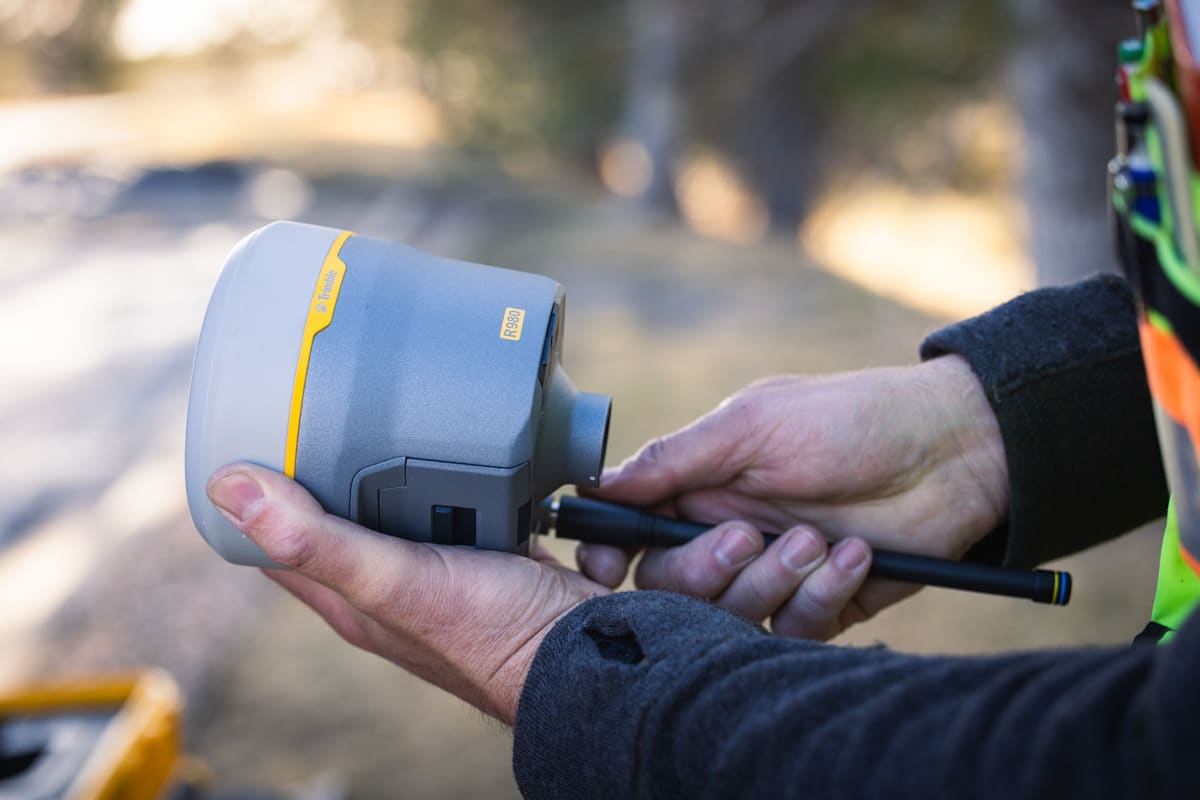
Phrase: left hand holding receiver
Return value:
(466, 620)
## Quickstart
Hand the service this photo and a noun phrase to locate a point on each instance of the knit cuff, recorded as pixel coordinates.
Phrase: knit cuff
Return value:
(1062, 370)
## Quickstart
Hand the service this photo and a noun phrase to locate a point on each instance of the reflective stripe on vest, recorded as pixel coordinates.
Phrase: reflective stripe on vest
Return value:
(1178, 590)
(1175, 385)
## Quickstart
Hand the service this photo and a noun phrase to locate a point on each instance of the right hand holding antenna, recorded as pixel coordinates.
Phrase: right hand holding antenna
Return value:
(908, 459)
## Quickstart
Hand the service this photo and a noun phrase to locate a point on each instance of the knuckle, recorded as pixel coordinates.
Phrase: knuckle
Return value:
(760, 596)
(728, 422)
(293, 549)
(738, 408)
(748, 603)
(810, 606)
(655, 452)
(695, 572)
(827, 595)
(286, 543)
(696, 577)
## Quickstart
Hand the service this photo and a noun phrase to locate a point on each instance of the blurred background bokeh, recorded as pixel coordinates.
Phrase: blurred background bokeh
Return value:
(727, 190)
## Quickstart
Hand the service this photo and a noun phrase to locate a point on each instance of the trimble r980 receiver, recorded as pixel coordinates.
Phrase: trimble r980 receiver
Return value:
(425, 398)
(416, 395)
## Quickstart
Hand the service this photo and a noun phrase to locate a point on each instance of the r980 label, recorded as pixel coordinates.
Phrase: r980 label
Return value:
(512, 324)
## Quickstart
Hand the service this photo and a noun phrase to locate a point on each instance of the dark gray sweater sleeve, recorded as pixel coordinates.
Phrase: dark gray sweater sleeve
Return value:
(651, 695)
(1062, 370)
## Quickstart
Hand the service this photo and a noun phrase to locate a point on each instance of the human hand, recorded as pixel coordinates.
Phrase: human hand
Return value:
(466, 620)
(906, 458)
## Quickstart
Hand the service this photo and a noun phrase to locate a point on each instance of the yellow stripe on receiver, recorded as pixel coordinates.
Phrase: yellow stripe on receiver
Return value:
(320, 314)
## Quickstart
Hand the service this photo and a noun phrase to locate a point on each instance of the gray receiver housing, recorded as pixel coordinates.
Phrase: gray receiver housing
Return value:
(431, 409)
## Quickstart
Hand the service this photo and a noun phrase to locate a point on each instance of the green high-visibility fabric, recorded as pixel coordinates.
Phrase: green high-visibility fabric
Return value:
(1178, 590)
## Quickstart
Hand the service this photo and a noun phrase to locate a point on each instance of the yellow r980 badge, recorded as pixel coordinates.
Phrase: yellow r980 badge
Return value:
(511, 325)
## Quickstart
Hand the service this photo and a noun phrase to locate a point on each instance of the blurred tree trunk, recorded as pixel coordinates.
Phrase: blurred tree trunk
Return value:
(653, 106)
(779, 150)
(1063, 79)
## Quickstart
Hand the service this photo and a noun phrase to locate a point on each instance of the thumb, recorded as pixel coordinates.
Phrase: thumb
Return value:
(707, 453)
(295, 532)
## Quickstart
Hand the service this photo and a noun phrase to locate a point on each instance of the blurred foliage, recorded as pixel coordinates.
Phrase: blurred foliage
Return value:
(910, 56)
(59, 45)
(907, 62)
(781, 88)
(510, 74)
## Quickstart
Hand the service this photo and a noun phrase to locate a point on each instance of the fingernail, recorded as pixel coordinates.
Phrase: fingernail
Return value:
(736, 548)
(235, 494)
(849, 555)
(802, 550)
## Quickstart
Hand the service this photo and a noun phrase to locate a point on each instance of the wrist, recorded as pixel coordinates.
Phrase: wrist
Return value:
(972, 438)
(503, 688)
